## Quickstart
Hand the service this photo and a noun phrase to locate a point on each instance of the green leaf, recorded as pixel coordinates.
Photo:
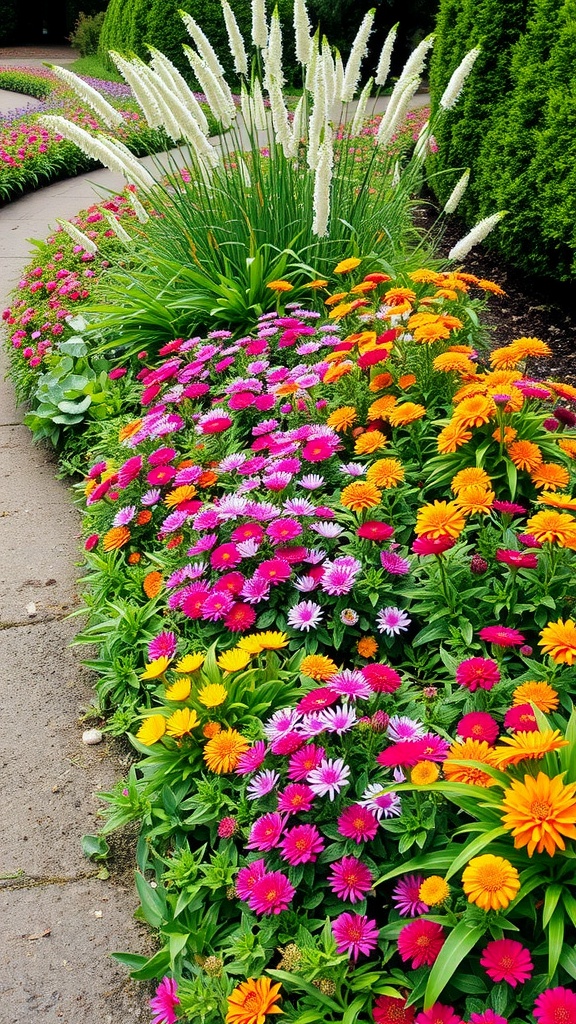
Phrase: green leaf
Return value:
(555, 940)
(153, 906)
(95, 847)
(553, 893)
(75, 408)
(439, 630)
(473, 848)
(460, 941)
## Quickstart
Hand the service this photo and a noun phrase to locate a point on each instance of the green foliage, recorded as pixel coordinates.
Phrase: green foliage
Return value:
(25, 82)
(86, 33)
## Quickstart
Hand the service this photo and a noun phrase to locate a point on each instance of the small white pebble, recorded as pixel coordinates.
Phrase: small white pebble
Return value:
(31, 609)
(92, 736)
(97, 913)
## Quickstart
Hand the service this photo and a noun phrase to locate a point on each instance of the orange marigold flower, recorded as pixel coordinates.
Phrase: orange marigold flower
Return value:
(211, 729)
(358, 496)
(341, 310)
(342, 418)
(363, 287)
(454, 362)
(441, 519)
(129, 429)
(434, 890)
(207, 478)
(333, 300)
(184, 493)
(473, 499)
(534, 347)
(424, 773)
(252, 1000)
(554, 527)
(380, 381)
(474, 411)
(469, 750)
(318, 666)
(489, 286)
(116, 538)
(398, 296)
(407, 412)
(333, 373)
(223, 751)
(345, 266)
(568, 445)
(539, 812)
(523, 746)
(468, 477)
(504, 358)
(425, 276)
(406, 381)
(490, 882)
(143, 517)
(567, 391)
(559, 641)
(452, 437)
(385, 473)
(557, 500)
(318, 283)
(446, 293)
(367, 646)
(525, 455)
(537, 692)
(370, 441)
(550, 475)
(134, 558)
(152, 584)
(507, 437)
(280, 286)
(382, 407)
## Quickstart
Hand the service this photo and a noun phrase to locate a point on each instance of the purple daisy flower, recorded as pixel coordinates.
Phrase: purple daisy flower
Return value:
(151, 497)
(392, 620)
(383, 805)
(327, 530)
(262, 784)
(124, 516)
(339, 719)
(406, 898)
(329, 777)
(311, 481)
(350, 683)
(394, 564)
(400, 727)
(305, 616)
(340, 575)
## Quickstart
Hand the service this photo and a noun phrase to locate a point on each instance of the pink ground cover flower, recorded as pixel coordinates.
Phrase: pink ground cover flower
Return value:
(507, 960)
(517, 559)
(164, 1001)
(502, 636)
(329, 777)
(357, 823)
(304, 761)
(247, 877)
(420, 942)
(478, 725)
(555, 1006)
(406, 896)
(392, 1010)
(487, 1017)
(521, 718)
(381, 678)
(251, 760)
(271, 894)
(302, 844)
(438, 1013)
(296, 798)
(478, 672)
(265, 832)
(354, 934)
(350, 879)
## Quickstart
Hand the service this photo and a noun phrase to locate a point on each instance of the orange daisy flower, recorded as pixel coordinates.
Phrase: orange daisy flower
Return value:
(129, 429)
(280, 286)
(386, 473)
(559, 641)
(116, 538)
(474, 411)
(358, 496)
(504, 358)
(318, 666)
(452, 437)
(523, 746)
(534, 347)
(252, 1000)
(554, 527)
(367, 647)
(223, 751)
(490, 882)
(407, 412)
(539, 812)
(536, 692)
(380, 381)
(551, 476)
(345, 266)
(472, 475)
(557, 500)
(525, 455)
(469, 750)
(441, 519)
(406, 381)
(370, 441)
(343, 418)
(473, 499)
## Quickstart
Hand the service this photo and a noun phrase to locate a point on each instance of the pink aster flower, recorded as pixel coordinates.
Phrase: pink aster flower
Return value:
(502, 636)
(420, 942)
(338, 720)
(354, 934)
(350, 683)
(282, 530)
(339, 576)
(301, 845)
(311, 482)
(247, 877)
(400, 727)
(262, 784)
(255, 590)
(164, 1001)
(296, 798)
(517, 559)
(329, 777)
(287, 743)
(281, 722)
(432, 545)
(478, 725)
(216, 605)
(251, 759)
(304, 761)
(521, 718)
(350, 879)
(478, 672)
(225, 556)
(162, 646)
(318, 699)
(507, 960)
(129, 471)
(487, 1017)
(271, 894)
(265, 832)
(382, 805)
(214, 422)
(438, 1013)
(124, 516)
(394, 564)
(357, 823)
(392, 620)
(305, 616)
(274, 571)
(406, 896)
(381, 678)
(374, 530)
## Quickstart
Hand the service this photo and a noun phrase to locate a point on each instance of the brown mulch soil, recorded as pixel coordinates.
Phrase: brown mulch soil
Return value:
(531, 308)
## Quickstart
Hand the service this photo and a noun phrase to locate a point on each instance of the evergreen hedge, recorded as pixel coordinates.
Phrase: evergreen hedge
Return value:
(515, 125)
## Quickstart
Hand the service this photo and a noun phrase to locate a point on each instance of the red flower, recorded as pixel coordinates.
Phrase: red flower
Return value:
(420, 942)
(507, 960)
(358, 823)
(317, 700)
(381, 678)
(240, 617)
(521, 718)
(517, 559)
(478, 672)
(404, 754)
(392, 1010)
(502, 636)
(374, 530)
(478, 725)
(432, 546)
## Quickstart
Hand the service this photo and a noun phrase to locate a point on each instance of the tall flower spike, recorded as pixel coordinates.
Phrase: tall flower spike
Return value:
(312, 63)
(302, 30)
(78, 236)
(318, 117)
(137, 206)
(357, 54)
(258, 108)
(180, 121)
(112, 155)
(165, 105)
(361, 108)
(175, 81)
(476, 235)
(235, 40)
(422, 142)
(259, 26)
(457, 192)
(322, 184)
(452, 91)
(94, 99)
(395, 114)
(280, 120)
(329, 72)
(116, 226)
(299, 122)
(141, 90)
(383, 69)
(338, 73)
(220, 104)
(203, 44)
(273, 54)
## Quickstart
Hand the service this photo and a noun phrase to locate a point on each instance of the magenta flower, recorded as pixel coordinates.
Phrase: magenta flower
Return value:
(502, 636)
(271, 894)
(478, 672)
(381, 678)
(265, 832)
(400, 727)
(274, 571)
(339, 576)
(350, 879)
(282, 530)
(406, 898)
(162, 646)
(282, 721)
(317, 700)
(225, 556)
(354, 934)
(163, 1003)
(262, 784)
(296, 798)
(305, 616)
(329, 777)
(301, 844)
(126, 515)
(357, 823)
(392, 621)
(517, 559)
(247, 877)
(255, 590)
(350, 683)
(251, 760)
(338, 720)
(394, 564)
(217, 605)
(439, 1013)
(304, 761)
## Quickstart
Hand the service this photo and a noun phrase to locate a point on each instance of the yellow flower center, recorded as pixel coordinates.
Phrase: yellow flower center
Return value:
(252, 1002)
(492, 879)
(541, 809)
